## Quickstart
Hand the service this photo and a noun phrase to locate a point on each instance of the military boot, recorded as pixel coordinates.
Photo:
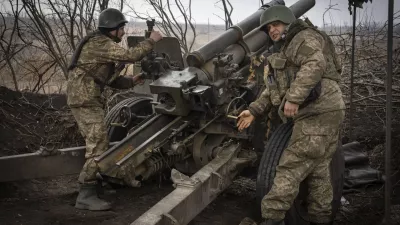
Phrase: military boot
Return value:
(273, 222)
(88, 199)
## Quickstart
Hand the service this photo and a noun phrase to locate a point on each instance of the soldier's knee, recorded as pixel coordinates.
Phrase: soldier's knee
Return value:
(89, 170)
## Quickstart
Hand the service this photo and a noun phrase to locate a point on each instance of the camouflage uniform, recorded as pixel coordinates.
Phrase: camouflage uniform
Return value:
(256, 70)
(305, 72)
(96, 67)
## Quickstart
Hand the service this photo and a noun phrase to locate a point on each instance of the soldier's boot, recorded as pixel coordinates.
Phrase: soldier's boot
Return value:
(105, 189)
(273, 222)
(89, 200)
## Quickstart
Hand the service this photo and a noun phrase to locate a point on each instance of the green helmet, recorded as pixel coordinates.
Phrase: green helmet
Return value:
(276, 13)
(111, 18)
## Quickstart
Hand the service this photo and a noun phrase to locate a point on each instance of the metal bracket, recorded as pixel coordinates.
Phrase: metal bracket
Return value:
(168, 219)
(182, 180)
(216, 183)
(209, 182)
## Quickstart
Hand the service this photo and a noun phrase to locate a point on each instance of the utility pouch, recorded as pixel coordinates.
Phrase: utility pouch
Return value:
(314, 95)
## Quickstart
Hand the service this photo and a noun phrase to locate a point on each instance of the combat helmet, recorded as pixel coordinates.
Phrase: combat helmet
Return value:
(276, 13)
(111, 19)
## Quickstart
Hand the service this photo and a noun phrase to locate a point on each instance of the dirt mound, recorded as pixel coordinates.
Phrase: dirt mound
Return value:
(28, 121)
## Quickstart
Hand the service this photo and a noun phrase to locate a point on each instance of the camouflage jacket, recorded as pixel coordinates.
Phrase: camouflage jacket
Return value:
(305, 68)
(96, 67)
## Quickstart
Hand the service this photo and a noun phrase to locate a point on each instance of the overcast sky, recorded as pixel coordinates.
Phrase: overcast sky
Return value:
(204, 10)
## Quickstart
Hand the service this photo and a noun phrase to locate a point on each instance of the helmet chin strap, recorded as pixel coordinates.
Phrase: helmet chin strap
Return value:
(115, 37)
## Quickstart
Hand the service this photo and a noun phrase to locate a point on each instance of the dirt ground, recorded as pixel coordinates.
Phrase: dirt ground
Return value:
(28, 121)
(48, 203)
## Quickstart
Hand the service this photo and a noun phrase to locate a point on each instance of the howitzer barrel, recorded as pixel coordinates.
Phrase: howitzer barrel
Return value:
(253, 39)
(229, 37)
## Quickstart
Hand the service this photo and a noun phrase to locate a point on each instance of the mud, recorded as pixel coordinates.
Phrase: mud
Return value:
(52, 201)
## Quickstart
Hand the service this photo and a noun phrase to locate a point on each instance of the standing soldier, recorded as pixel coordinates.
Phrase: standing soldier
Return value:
(93, 66)
(303, 80)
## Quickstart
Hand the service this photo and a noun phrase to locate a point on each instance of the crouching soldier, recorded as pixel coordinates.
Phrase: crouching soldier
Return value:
(94, 65)
(302, 82)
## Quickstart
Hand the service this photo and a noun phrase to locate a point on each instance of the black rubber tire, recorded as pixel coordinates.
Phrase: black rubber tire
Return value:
(297, 214)
(139, 105)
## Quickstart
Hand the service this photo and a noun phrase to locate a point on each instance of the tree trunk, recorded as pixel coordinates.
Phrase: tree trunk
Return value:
(13, 75)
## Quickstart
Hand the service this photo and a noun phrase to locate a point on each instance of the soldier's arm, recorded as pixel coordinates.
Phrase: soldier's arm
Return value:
(306, 51)
(122, 82)
(261, 105)
(257, 71)
(112, 52)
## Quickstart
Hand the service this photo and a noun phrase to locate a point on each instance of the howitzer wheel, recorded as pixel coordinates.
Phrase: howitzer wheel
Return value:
(278, 141)
(138, 105)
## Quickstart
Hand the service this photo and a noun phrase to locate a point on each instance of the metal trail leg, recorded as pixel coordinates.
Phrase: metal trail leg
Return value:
(193, 194)
(43, 163)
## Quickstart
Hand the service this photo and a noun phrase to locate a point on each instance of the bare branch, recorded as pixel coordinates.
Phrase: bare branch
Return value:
(167, 20)
(227, 12)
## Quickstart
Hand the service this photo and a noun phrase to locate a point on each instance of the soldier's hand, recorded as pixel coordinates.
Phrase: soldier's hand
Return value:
(291, 109)
(156, 36)
(245, 119)
(138, 79)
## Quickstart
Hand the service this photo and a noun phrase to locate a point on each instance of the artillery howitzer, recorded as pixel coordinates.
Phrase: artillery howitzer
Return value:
(188, 122)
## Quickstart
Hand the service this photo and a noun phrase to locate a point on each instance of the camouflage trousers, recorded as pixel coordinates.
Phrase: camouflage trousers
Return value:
(92, 127)
(309, 153)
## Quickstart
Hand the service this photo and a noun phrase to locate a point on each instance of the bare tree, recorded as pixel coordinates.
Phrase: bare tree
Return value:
(369, 70)
(328, 10)
(9, 45)
(104, 4)
(227, 12)
(51, 29)
(57, 25)
(121, 5)
(173, 18)
(39, 70)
